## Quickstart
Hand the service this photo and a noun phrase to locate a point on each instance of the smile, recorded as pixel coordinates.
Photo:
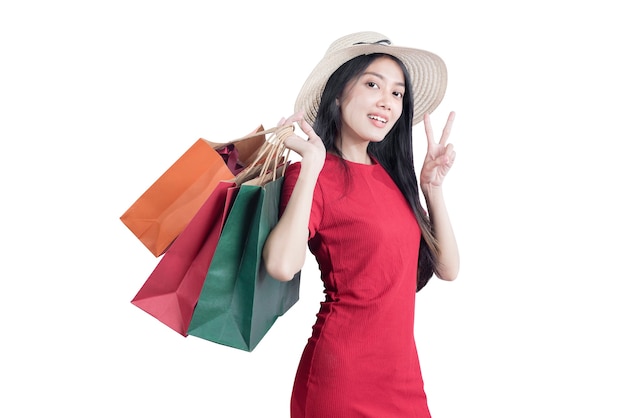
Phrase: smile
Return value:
(378, 118)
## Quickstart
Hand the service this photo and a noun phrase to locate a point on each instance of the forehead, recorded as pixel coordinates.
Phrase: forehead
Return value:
(387, 68)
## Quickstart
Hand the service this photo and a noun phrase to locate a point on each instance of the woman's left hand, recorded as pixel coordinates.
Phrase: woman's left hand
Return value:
(439, 155)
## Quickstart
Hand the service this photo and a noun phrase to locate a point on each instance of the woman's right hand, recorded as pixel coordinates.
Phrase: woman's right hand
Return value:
(285, 249)
(312, 151)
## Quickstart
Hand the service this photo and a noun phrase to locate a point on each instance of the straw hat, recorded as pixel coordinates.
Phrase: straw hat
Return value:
(427, 70)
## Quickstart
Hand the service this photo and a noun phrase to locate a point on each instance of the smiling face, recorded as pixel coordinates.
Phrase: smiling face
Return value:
(372, 103)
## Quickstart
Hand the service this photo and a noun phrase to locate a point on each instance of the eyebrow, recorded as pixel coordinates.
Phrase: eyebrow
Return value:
(399, 83)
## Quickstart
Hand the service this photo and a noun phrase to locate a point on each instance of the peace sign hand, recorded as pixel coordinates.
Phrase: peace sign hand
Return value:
(439, 156)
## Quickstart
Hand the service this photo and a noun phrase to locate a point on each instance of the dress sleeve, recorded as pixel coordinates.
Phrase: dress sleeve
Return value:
(291, 176)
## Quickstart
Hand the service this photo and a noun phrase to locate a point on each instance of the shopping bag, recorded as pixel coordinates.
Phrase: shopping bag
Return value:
(239, 301)
(161, 213)
(171, 291)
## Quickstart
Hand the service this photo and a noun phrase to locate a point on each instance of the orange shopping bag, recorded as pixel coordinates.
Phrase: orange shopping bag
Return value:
(162, 212)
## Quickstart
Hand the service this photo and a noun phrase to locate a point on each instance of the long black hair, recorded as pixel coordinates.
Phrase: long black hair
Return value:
(394, 153)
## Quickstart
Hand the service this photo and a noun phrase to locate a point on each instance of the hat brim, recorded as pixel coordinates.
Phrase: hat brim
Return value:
(428, 74)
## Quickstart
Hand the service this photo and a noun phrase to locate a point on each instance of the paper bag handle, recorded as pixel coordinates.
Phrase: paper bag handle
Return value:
(273, 153)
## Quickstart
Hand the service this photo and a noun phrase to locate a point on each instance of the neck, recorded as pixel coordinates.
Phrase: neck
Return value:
(356, 154)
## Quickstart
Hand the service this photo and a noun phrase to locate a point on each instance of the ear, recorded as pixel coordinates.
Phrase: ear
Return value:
(337, 102)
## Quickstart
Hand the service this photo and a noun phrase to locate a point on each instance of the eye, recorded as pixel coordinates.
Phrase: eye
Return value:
(398, 94)
(372, 84)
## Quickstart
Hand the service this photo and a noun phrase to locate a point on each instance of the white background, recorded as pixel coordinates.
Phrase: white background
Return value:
(97, 99)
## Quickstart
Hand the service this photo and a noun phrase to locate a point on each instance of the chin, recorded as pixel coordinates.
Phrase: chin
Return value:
(373, 135)
(377, 138)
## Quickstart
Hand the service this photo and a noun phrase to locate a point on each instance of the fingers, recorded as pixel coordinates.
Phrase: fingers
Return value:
(311, 149)
(447, 129)
(293, 142)
(307, 129)
(428, 128)
(296, 117)
(450, 155)
(444, 161)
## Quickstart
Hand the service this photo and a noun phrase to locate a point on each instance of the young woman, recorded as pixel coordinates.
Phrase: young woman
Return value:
(353, 199)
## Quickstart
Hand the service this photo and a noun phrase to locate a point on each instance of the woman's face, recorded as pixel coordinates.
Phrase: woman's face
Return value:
(372, 103)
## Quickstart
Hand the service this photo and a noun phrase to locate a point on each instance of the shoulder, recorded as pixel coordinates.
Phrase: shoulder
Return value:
(331, 165)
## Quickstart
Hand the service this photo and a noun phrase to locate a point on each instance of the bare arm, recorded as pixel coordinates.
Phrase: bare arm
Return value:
(448, 266)
(438, 161)
(285, 249)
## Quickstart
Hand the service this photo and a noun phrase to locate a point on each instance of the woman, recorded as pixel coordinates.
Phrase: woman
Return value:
(353, 199)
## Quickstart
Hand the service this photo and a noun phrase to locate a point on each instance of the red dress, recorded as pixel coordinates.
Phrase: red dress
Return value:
(361, 360)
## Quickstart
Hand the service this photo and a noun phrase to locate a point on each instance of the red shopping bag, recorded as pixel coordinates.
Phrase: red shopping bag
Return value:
(171, 292)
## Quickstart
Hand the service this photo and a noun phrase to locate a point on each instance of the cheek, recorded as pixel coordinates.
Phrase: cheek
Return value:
(349, 109)
(397, 112)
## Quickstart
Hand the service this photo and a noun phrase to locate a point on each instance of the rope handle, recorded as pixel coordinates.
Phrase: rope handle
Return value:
(217, 145)
(273, 153)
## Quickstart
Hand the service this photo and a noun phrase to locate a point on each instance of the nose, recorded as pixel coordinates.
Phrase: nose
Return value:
(383, 101)
(386, 98)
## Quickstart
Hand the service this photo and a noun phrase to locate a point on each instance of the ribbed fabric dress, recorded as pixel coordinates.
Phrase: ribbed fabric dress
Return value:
(361, 360)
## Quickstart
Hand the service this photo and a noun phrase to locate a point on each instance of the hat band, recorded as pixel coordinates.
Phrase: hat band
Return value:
(386, 42)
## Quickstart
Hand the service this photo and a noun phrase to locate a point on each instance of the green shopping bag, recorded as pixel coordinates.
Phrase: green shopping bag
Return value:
(239, 301)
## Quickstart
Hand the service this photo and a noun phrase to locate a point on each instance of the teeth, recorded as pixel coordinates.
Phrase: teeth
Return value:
(377, 118)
